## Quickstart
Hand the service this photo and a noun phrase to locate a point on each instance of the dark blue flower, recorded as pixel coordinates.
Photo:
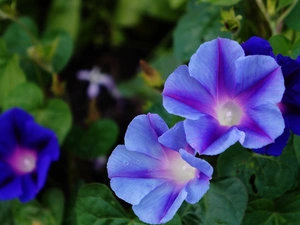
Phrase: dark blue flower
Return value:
(290, 103)
(26, 152)
(257, 46)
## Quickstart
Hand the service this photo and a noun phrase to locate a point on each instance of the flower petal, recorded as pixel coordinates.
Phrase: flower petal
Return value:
(213, 65)
(258, 80)
(262, 125)
(39, 138)
(133, 190)
(276, 148)
(288, 65)
(125, 163)
(160, 205)
(6, 173)
(293, 121)
(257, 46)
(198, 186)
(142, 135)
(84, 75)
(93, 90)
(208, 137)
(203, 166)
(10, 190)
(43, 166)
(184, 96)
(291, 97)
(29, 189)
(12, 125)
(106, 81)
(175, 139)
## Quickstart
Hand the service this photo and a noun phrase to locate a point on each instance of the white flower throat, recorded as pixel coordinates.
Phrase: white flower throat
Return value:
(23, 160)
(229, 114)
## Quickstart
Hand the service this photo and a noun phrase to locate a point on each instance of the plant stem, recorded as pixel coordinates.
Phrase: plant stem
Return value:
(264, 11)
(286, 12)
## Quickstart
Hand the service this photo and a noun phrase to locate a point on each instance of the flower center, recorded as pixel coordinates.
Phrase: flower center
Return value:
(182, 171)
(95, 77)
(229, 114)
(23, 160)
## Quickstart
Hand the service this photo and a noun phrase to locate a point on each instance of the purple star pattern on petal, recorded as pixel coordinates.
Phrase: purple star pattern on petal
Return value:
(290, 103)
(26, 150)
(156, 169)
(226, 97)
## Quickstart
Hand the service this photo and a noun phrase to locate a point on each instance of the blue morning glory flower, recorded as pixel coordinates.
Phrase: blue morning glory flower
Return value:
(26, 152)
(226, 97)
(156, 169)
(290, 103)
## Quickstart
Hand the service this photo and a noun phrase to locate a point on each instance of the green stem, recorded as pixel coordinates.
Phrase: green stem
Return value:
(287, 12)
(264, 11)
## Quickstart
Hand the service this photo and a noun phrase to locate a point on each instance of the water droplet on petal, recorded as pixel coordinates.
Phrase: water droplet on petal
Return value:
(126, 163)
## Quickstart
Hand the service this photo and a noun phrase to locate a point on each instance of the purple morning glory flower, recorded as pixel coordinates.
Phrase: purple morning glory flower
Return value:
(290, 103)
(96, 79)
(26, 152)
(156, 169)
(226, 97)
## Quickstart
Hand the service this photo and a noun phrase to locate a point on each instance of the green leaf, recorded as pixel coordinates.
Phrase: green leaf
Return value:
(138, 87)
(19, 36)
(129, 12)
(175, 221)
(11, 75)
(285, 210)
(96, 141)
(3, 49)
(224, 203)
(160, 10)
(157, 107)
(265, 176)
(296, 143)
(283, 3)
(280, 44)
(176, 3)
(56, 116)
(295, 51)
(293, 17)
(165, 62)
(5, 213)
(200, 24)
(63, 51)
(221, 2)
(65, 16)
(27, 96)
(96, 205)
(31, 213)
(53, 200)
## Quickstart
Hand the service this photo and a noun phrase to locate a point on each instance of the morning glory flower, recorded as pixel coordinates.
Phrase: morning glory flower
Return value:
(290, 103)
(226, 97)
(26, 152)
(96, 79)
(156, 169)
